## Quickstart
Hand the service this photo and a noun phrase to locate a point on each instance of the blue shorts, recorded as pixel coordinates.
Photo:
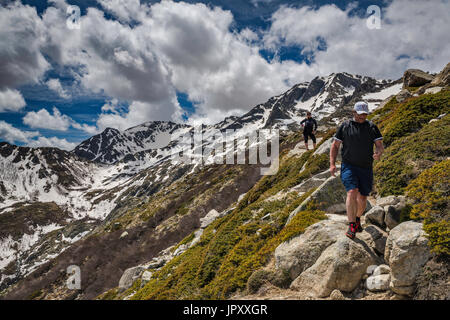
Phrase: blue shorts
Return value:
(356, 177)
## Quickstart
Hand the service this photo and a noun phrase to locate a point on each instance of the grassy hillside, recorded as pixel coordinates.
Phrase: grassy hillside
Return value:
(235, 246)
(413, 144)
(416, 161)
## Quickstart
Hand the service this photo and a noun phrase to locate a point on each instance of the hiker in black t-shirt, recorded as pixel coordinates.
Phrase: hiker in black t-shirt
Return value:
(310, 127)
(357, 137)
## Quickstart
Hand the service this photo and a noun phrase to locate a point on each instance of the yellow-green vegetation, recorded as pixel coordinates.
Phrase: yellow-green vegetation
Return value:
(408, 156)
(108, 295)
(235, 246)
(431, 192)
(289, 174)
(397, 120)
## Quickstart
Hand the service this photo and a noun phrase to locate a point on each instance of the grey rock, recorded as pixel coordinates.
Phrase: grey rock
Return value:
(197, 236)
(129, 276)
(406, 252)
(147, 275)
(341, 266)
(416, 77)
(123, 235)
(329, 193)
(182, 248)
(376, 216)
(375, 238)
(403, 95)
(443, 78)
(325, 149)
(157, 263)
(209, 218)
(391, 217)
(299, 253)
(370, 269)
(389, 200)
(338, 208)
(382, 269)
(307, 185)
(378, 282)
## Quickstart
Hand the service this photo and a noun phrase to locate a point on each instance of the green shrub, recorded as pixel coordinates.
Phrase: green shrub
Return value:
(408, 156)
(431, 192)
(400, 119)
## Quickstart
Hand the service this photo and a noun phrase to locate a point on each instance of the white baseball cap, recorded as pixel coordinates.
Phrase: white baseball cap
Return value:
(361, 107)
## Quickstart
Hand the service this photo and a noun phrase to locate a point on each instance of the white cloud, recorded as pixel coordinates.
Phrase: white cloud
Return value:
(31, 138)
(22, 35)
(55, 85)
(153, 51)
(11, 134)
(125, 11)
(43, 119)
(410, 29)
(86, 128)
(11, 100)
(52, 142)
(60, 122)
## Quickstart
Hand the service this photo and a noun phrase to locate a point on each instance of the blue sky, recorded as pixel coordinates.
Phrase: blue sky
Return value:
(193, 61)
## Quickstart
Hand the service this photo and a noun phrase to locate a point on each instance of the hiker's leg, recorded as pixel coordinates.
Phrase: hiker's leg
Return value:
(352, 204)
(365, 177)
(313, 137)
(305, 138)
(362, 201)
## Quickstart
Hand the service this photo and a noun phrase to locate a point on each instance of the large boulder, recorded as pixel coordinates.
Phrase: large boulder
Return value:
(391, 217)
(443, 78)
(330, 197)
(325, 147)
(406, 252)
(330, 193)
(341, 266)
(376, 216)
(416, 78)
(403, 95)
(129, 276)
(299, 253)
(374, 237)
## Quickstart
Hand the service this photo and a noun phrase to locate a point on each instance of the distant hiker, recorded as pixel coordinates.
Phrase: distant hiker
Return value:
(357, 137)
(309, 130)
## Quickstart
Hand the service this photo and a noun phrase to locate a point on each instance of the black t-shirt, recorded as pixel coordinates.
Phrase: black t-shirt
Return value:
(310, 125)
(357, 142)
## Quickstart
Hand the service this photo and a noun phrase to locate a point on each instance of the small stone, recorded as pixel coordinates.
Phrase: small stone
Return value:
(337, 295)
(389, 200)
(382, 269)
(371, 268)
(123, 235)
(378, 282)
(147, 275)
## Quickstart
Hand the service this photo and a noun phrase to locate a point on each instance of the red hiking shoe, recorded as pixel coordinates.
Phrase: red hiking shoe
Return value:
(351, 232)
(358, 225)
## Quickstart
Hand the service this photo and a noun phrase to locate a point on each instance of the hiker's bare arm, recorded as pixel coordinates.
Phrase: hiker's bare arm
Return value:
(379, 149)
(333, 154)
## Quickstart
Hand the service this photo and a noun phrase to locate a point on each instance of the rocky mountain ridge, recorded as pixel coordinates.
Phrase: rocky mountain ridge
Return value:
(156, 205)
